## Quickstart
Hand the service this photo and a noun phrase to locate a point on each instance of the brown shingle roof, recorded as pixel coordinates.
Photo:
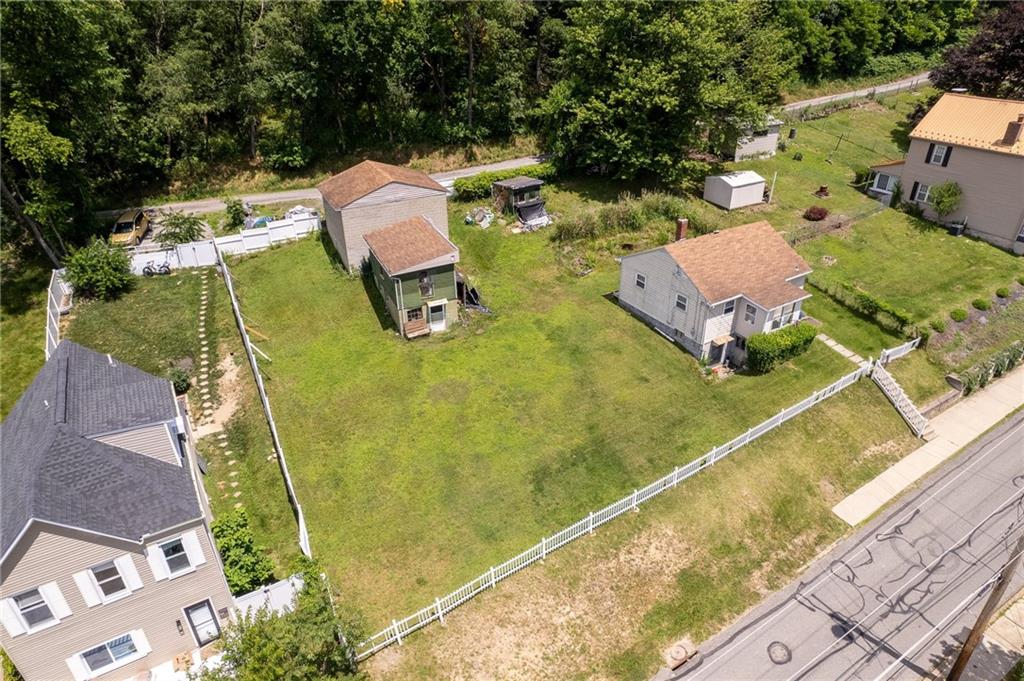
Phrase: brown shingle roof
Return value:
(751, 260)
(408, 244)
(978, 122)
(889, 164)
(369, 176)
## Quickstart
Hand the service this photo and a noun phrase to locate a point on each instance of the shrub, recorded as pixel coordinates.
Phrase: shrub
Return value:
(1020, 280)
(815, 213)
(958, 315)
(912, 209)
(99, 270)
(479, 186)
(798, 156)
(180, 380)
(979, 375)
(981, 304)
(938, 325)
(884, 313)
(177, 227)
(235, 212)
(1003, 292)
(765, 351)
(945, 198)
(628, 214)
(246, 564)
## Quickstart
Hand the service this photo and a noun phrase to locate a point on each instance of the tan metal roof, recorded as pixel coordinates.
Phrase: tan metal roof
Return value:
(410, 244)
(369, 176)
(889, 164)
(751, 260)
(968, 121)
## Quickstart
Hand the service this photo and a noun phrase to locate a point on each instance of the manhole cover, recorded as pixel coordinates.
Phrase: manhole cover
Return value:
(779, 653)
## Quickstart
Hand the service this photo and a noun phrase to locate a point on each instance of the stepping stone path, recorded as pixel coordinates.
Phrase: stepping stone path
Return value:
(848, 354)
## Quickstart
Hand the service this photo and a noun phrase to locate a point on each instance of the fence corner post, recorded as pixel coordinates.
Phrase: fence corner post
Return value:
(439, 610)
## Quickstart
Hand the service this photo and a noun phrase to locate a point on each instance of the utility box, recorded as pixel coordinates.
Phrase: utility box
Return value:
(734, 190)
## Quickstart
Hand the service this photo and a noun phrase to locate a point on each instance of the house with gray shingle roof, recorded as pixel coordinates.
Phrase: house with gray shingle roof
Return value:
(107, 564)
(712, 292)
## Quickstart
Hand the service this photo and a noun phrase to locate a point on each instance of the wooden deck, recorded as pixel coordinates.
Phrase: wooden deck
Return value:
(416, 328)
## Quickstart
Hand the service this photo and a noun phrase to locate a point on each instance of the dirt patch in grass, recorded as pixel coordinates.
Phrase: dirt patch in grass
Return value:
(229, 391)
(761, 580)
(545, 615)
(881, 450)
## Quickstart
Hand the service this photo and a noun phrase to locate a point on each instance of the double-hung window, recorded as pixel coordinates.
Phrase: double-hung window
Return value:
(109, 655)
(34, 609)
(922, 193)
(749, 314)
(641, 281)
(885, 183)
(109, 580)
(681, 302)
(938, 154)
(729, 307)
(175, 556)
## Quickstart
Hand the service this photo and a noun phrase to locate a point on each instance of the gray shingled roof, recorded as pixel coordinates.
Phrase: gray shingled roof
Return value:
(53, 472)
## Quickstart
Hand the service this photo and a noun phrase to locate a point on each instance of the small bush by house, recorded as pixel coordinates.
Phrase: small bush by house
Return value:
(479, 186)
(99, 270)
(765, 351)
(180, 380)
(816, 213)
(981, 304)
(1003, 292)
(938, 325)
(958, 315)
(246, 564)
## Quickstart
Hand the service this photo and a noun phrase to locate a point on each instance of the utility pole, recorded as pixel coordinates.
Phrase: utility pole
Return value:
(987, 612)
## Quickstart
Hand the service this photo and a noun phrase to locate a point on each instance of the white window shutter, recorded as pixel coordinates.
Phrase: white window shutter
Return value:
(87, 586)
(190, 540)
(55, 599)
(78, 669)
(9, 617)
(126, 566)
(141, 642)
(156, 562)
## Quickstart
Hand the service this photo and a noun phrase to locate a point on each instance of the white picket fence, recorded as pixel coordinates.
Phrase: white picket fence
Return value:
(300, 518)
(59, 297)
(441, 606)
(890, 354)
(204, 253)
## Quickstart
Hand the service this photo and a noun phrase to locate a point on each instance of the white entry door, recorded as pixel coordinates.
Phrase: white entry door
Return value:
(204, 622)
(437, 315)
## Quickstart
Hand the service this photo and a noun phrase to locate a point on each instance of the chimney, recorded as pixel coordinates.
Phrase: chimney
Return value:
(1013, 129)
(682, 224)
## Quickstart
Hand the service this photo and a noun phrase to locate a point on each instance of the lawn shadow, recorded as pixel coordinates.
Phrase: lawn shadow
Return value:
(377, 301)
(330, 250)
(22, 283)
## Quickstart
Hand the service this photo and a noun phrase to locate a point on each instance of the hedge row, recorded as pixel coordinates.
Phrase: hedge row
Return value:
(884, 313)
(479, 186)
(979, 375)
(765, 351)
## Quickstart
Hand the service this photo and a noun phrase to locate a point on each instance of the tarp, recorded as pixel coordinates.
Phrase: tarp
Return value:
(533, 214)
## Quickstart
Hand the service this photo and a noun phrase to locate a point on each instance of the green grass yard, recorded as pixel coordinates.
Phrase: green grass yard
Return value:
(421, 464)
(22, 325)
(858, 333)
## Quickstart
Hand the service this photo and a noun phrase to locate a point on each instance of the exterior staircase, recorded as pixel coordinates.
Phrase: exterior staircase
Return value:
(917, 422)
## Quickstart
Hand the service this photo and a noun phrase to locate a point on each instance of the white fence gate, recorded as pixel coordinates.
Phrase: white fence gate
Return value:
(887, 356)
(58, 302)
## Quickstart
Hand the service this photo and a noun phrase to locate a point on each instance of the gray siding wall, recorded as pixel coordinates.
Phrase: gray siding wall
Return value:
(154, 440)
(57, 553)
(381, 208)
(332, 217)
(992, 188)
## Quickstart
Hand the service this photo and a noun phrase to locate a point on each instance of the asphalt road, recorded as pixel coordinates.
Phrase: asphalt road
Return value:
(892, 600)
(903, 84)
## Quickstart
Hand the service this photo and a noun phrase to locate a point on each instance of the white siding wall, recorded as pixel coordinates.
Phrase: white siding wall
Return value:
(657, 300)
(719, 323)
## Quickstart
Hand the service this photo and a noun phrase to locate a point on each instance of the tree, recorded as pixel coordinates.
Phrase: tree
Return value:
(246, 564)
(99, 270)
(177, 227)
(311, 642)
(235, 212)
(945, 198)
(990, 64)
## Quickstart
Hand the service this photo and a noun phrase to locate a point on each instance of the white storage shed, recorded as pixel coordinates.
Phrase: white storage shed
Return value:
(734, 190)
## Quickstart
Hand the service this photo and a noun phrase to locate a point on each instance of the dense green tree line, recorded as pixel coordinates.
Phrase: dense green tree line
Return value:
(100, 95)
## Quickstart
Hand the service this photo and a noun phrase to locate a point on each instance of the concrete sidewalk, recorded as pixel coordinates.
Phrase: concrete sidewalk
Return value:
(954, 429)
(1000, 648)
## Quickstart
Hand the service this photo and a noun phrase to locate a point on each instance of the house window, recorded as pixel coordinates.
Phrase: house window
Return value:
(102, 657)
(885, 183)
(426, 284)
(922, 193)
(109, 580)
(749, 314)
(641, 281)
(938, 154)
(33, 609)
(681, 302)
(175, 556)
(729, 307)
(741, 342)
(414, 314)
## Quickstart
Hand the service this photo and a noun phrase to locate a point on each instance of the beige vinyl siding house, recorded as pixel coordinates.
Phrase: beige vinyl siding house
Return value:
(977, 143)
(711, 293)
(372, 195)
(107, 564)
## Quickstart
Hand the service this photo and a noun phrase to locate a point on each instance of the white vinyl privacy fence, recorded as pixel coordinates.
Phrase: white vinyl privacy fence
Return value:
(441, 606)
(293, 499)
(204, 253)
(58, 302)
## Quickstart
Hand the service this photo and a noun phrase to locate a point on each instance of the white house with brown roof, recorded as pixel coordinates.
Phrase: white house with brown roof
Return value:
(976, 142)
(371, 195)
(709, 294)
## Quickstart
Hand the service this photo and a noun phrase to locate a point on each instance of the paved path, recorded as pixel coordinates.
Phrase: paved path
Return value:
(896, 596)
(903, 84)
(848, 354)
(953, 429)
(311, 193)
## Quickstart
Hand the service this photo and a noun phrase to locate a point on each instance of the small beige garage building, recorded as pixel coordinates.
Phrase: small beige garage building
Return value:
(734, 190)
(372, 195)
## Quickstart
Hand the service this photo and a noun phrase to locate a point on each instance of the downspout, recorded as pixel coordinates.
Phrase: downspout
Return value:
(401, 304)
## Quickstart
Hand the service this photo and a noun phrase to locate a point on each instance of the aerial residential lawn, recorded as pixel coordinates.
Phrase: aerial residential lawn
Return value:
(685, 565)
(853, 330)
(420, 464)
(22, 325)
